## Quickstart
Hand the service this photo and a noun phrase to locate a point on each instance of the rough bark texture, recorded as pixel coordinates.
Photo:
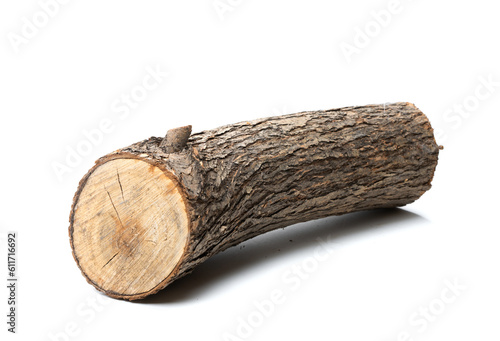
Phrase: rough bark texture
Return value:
(248, 178)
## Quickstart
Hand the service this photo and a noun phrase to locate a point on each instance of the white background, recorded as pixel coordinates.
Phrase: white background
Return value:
(252, 59)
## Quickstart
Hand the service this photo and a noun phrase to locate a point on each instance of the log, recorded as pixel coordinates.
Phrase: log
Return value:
(148, 214)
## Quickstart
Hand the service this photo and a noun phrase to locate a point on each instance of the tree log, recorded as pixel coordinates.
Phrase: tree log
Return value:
(147, 214)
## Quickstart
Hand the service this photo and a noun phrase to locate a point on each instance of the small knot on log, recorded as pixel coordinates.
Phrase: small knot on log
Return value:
(176, 139)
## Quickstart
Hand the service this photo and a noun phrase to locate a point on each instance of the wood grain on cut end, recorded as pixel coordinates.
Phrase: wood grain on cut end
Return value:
(129, 227)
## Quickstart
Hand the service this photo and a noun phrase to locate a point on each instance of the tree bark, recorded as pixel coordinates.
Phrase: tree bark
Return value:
(242, 180)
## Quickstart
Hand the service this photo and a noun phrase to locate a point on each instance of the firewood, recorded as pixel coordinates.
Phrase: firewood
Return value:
(148, 214)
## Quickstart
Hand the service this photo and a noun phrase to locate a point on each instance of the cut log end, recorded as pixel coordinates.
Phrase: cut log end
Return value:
(129, 227)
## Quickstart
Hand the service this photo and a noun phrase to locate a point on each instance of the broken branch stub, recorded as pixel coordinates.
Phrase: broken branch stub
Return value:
(176, 139)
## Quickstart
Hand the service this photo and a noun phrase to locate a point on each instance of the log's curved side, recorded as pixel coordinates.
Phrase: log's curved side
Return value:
(241, 180)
